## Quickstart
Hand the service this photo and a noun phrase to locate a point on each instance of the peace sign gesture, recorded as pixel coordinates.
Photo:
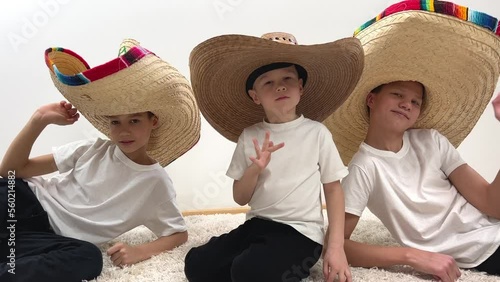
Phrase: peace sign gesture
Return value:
(264, 154)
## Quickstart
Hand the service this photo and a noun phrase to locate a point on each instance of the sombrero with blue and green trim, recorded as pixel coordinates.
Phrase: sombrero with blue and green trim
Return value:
(452, 50)
(136, 81)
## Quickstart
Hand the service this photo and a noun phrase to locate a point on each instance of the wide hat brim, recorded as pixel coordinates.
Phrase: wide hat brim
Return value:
(148, 84)
(456, 61)
(221, 65)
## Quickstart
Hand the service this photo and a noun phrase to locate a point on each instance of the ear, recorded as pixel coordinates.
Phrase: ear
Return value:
(155, 122)
(370, 99)
(301, 86)
(254, 96)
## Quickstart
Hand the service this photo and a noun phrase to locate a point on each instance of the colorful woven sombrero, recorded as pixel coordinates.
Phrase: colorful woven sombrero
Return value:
(220, 67)
(136, 81)
(452, 50)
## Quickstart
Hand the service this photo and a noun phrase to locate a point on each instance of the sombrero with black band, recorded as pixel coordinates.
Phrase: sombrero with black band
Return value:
(452, 50)
(136, 81)
(223, 67)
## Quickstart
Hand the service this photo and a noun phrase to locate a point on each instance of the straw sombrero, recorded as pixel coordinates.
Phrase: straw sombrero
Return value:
(221, 65)
(453, 51)
(136, 81)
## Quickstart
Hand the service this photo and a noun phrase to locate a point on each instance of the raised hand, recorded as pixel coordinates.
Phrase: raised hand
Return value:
(335, 264)
(122, 254)
(496, 106)
(62, 113)
(264, 154)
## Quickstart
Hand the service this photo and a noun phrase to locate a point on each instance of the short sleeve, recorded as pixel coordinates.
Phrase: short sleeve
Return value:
(330, 164)
(238, 163)
(357, 188)
(168, 220)
(450, 157)
(67, 155)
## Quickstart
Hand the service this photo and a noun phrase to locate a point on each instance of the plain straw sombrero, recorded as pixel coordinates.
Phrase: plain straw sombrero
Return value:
(136, 81)
(452, 50)
(221, 65)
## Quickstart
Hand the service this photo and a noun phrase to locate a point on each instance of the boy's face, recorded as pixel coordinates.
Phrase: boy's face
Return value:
(131, 133)
(397, 105)
(278, 91)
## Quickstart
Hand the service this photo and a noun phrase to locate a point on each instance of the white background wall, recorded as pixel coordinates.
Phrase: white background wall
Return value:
(171, 28)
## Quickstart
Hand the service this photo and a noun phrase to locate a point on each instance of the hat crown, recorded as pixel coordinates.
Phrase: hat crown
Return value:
(281, 37)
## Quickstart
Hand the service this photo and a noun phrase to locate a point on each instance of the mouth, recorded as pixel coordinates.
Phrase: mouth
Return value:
(282, 98)
(126, 142)
(402, 114)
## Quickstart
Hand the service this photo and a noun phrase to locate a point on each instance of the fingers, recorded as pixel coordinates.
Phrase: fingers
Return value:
(256, 147)
(276, 147)
(117, 259)
(265, 145)
(326, 270)
(115, 248)
(342, 277)
(496, 106)
(348, 275)
(497, 99)
(74, 118)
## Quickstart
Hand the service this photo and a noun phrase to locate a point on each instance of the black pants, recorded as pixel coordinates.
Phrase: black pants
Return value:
(492, 264)
(258, 250)
(29, 248)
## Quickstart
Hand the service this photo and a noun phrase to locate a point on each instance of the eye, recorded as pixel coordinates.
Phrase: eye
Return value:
(135, 120)
(114, 122)
(416, 103)
(397, 94)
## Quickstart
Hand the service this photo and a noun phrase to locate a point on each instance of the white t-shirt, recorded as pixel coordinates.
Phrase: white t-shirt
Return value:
(105, 194)
(289, 189)
(411, 194)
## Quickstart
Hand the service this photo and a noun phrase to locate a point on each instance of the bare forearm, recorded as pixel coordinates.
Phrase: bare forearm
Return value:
(334, 197)
(17, 155)
(494, 196)
(163, 244)
(244, 188)
(364, 255)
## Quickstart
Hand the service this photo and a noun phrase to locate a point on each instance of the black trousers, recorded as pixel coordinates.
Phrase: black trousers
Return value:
(29, 248)
(258, 250)
(492, 264)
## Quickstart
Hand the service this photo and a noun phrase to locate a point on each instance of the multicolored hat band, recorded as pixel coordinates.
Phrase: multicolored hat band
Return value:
(223, 67)
(452, 50)
(136, 81)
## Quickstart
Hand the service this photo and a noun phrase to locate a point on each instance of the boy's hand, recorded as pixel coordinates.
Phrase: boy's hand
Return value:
(443, 267)
(335, 263)
(496, 106)
(62, 113)
(264, 155)
(122, 254)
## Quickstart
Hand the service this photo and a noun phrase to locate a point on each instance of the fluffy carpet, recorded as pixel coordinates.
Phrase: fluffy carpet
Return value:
(169, 266)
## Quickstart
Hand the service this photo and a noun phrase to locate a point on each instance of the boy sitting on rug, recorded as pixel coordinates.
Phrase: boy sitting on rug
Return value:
(411, 108)
(106, 187)
(255, 94)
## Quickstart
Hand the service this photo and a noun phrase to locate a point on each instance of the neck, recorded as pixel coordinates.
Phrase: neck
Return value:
(281, 117)
(140, 157)
(385, 140)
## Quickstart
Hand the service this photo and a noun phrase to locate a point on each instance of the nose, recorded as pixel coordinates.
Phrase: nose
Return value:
(406, 105)
(281, 88)
(124, 130)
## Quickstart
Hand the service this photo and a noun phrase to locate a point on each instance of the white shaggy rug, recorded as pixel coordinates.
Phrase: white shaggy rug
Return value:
(169, 266)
